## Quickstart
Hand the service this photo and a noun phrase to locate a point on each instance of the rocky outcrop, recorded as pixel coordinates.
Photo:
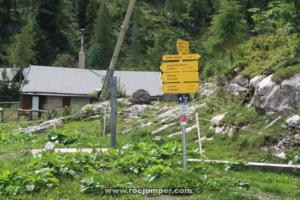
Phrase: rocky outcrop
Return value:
(281, 98)
(207, 89)
(136, 110)
(237, 86)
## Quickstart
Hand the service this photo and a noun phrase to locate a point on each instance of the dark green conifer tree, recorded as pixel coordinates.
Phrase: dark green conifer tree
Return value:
(228, 27)
(101, 45)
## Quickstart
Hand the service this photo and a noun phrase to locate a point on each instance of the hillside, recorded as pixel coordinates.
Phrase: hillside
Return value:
(248, 103)
(149, 154)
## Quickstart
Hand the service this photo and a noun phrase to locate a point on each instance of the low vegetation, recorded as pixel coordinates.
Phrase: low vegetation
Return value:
(144, 161)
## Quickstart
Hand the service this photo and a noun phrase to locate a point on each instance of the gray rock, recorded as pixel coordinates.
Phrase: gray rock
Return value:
(50, 146)
(237, 69)
(293, 122)
(140, 97)
(282, 98)
(281, 155)
(96, 107)
(217, 119)
(207, 89)
(256, 80)
(240, 80)
(271, 114)
(235, 89)
(297, 137)
(136, 110)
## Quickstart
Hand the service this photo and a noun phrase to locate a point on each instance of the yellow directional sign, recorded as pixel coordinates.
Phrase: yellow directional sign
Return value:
(181, 57)
(188, 66)
(179, 88)
(183, 46)
(179, 77)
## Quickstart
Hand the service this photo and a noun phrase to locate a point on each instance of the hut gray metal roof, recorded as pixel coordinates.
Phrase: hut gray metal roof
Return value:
(59, 81)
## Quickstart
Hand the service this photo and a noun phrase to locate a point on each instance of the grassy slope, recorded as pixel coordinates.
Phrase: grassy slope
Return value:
(262, 54)
(245, 145)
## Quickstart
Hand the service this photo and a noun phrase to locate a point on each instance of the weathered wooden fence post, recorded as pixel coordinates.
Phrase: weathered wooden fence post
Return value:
(113, 89)
(1, 115)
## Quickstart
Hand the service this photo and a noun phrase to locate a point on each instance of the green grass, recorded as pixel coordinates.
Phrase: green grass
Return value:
(245, 145)
(262, 54)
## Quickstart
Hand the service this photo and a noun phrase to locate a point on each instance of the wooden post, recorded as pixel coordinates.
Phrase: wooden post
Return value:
(1, 115)
(113, 89)
(199, 134)
(104, 121)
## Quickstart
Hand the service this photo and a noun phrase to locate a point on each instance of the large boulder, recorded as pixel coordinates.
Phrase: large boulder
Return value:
(281, 98)
(140, 97)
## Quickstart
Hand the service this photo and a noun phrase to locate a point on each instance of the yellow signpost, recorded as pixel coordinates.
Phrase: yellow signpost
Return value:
(188, 66)
(180, 88)
(181, 57)
(180, 72)
(179, 77)
(183, 46)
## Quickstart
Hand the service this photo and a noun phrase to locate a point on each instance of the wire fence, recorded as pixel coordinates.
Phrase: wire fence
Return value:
(9, 111)
(106, 114)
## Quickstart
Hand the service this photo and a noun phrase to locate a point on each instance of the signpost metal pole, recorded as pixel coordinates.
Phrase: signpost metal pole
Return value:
(184, 156)
(183, 101)
(113, 88)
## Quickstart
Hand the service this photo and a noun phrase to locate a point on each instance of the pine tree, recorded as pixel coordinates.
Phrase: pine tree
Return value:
(228, 27)
(59, 30)
(21, 51)
(64, 60)
(91, 15)
(68, 26)
(177, 11)
(101, 46)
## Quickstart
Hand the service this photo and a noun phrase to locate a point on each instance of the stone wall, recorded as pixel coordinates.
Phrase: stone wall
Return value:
(53, 102)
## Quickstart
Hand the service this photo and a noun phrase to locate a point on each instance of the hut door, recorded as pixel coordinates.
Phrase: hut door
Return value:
(66, 101)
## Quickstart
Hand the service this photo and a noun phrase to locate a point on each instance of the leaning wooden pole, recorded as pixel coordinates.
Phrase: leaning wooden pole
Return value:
(114, 59)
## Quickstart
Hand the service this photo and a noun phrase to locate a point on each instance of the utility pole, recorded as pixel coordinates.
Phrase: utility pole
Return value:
(124, 28)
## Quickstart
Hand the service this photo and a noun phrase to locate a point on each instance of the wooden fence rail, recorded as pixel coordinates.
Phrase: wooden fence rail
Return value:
(33, 113)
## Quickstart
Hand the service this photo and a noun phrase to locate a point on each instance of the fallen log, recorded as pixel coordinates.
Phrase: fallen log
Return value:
(54, 123)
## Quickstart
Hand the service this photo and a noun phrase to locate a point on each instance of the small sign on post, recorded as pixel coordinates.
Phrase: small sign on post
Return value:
(183, 98)
(183, 46)
(187, 66)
